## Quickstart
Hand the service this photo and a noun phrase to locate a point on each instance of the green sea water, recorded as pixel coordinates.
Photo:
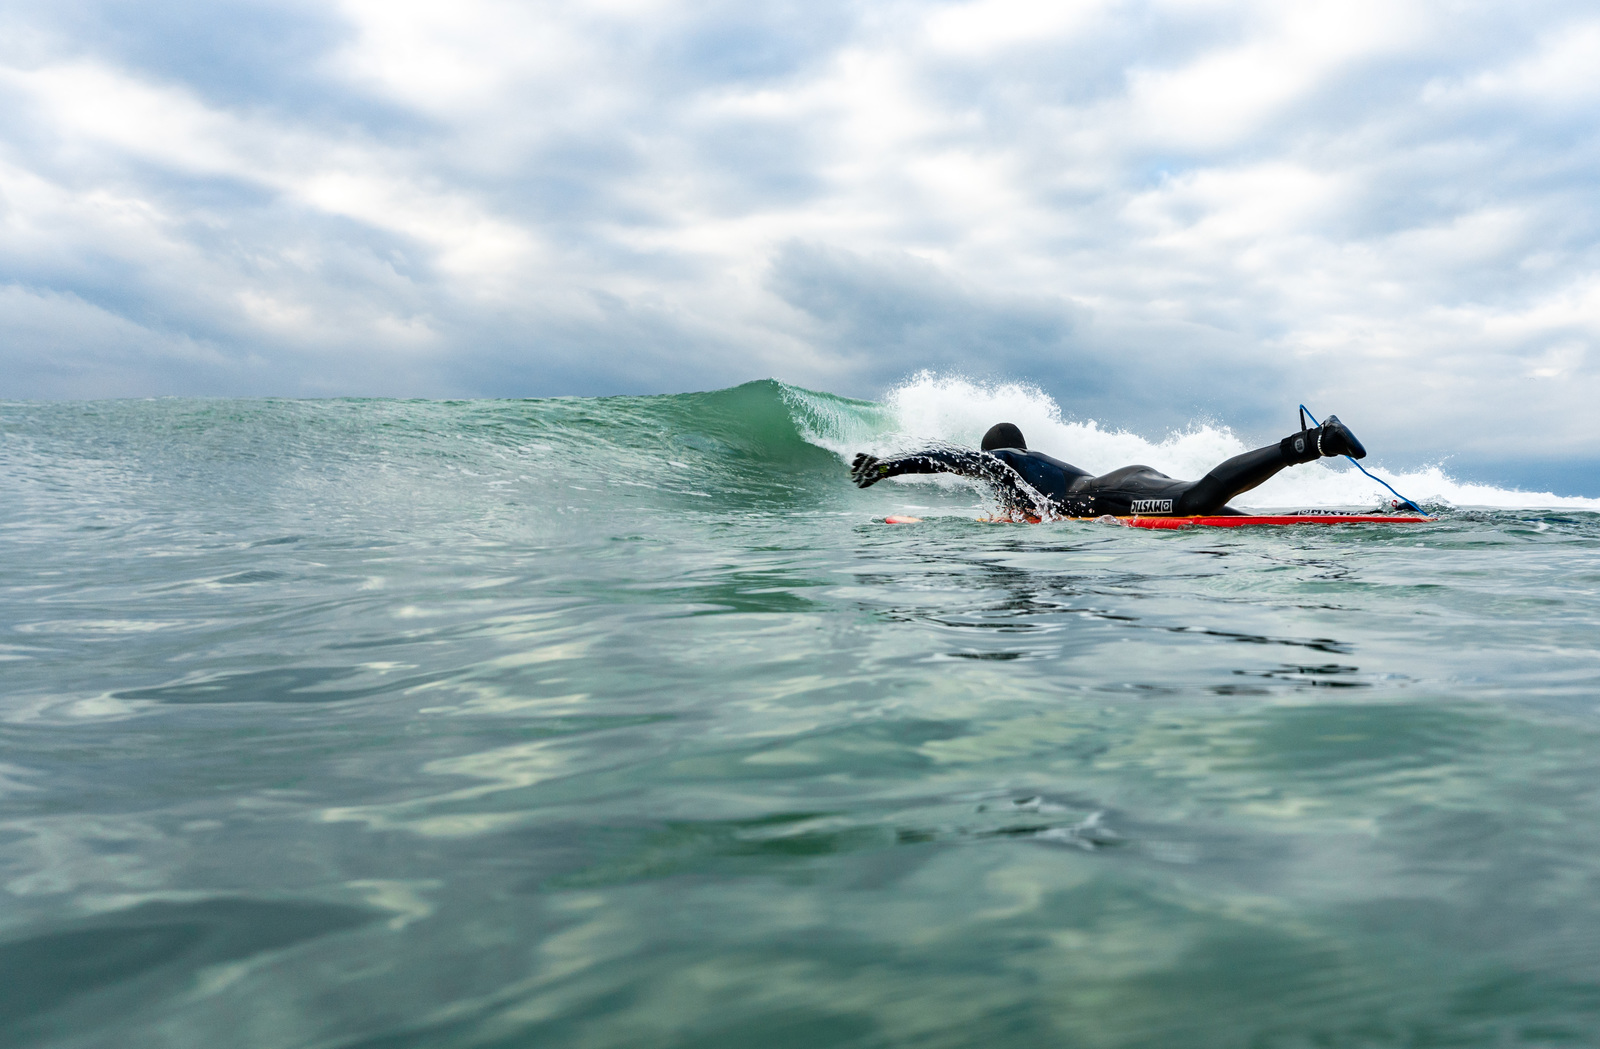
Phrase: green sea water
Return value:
(625, 723)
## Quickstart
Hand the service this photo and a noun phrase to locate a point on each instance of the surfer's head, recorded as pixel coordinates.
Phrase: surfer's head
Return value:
(1004, 435)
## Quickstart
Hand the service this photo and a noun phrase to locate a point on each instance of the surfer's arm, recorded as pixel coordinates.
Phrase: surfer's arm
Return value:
(868, 470)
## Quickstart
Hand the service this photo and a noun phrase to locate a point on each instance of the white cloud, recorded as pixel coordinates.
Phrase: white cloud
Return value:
(457, 60)
(981, 28)
(94, 108)
(1225, 95)
(1564, 70)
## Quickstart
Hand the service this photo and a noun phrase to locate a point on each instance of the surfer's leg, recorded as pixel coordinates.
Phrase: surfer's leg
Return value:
(1244, 472)
(1239, 474)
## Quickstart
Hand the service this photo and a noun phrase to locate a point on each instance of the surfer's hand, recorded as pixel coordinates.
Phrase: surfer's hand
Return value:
(868, 470)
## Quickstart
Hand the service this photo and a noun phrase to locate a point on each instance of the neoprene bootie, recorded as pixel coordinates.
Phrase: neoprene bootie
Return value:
(1331, 438)
(1337, 439)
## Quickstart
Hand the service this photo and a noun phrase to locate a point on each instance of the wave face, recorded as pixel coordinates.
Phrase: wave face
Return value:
(931, 409)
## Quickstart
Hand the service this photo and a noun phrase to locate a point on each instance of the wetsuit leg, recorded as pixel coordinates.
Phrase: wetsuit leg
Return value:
(1239, 474)
(1244, 472)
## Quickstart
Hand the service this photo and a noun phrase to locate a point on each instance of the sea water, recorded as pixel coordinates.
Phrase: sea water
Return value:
(625, 722)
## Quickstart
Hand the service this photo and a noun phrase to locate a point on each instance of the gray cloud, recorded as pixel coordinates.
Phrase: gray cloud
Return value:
(879, 313)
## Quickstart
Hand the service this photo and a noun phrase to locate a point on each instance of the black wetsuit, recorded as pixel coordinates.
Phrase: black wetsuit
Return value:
(1033, 484)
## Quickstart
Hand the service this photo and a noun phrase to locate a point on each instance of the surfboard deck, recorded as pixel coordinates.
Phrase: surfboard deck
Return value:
(1240, 521)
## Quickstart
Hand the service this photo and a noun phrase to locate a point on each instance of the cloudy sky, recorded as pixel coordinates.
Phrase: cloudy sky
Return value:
(1159, 211)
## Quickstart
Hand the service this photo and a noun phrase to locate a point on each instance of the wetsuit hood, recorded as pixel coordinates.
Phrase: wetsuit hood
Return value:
(1003, 435)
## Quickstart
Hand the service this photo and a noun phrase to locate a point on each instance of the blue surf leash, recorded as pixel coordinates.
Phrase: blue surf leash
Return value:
(1403, 500)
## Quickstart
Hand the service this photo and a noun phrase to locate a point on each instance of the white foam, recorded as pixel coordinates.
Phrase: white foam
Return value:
(929, 409)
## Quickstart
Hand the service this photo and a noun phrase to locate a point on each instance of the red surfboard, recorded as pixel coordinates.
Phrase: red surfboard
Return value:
(1239, 521)
(1267, 519)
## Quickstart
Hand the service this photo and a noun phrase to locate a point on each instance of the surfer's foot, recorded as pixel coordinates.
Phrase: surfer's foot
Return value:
(1331, 438)
(1335, 439)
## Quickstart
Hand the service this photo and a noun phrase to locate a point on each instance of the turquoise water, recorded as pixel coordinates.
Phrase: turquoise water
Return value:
(622, 722)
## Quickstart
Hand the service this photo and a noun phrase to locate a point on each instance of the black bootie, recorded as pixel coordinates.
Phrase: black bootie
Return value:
(1336, 439)
(1331, 438)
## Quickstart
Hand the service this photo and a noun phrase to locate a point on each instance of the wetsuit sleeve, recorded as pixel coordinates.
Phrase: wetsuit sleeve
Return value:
(868, 470)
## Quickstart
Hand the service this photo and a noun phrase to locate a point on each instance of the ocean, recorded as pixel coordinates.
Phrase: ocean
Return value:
(625, 722)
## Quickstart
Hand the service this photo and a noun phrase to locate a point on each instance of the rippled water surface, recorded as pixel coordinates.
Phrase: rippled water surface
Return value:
(624, 723)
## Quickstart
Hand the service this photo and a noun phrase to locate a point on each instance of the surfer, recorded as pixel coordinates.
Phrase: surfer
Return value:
(1034, 485)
